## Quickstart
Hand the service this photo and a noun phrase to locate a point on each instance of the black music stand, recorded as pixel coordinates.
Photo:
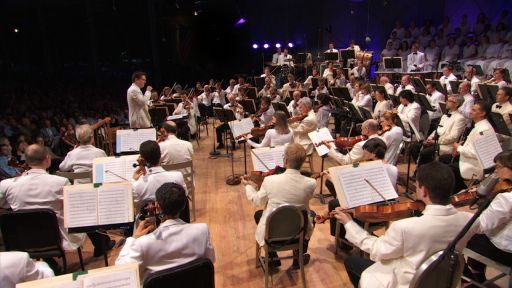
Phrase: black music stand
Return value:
(341, 93)
(420, 87)
(259, 82)
(395, 100)
(301, 58)
(454, 85)
(499, 124)
(439, 87)
(249, 105)
(321, 194)
(250, 93)
(478, 70)
(488, 92)
(442, 105)
(347, 54)
(423, 101)
(392, 63)
(314, 82)
(331, 56)
(280, 106)
(224, 116)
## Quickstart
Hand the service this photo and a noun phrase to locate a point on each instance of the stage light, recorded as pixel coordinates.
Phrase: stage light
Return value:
(265, 45)
(255, 46)
(16, 30)
(278, 45)
(196, 13)
(290, 44)
(240, 22)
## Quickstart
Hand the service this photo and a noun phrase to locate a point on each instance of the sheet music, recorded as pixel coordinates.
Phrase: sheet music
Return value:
(123, 278)
(239, 127)
(114, 204)
(130, 140)
(355, 189)
(486, 148)
(129, 169)
(114, 170)
(319, 136)
(176, 117)
(272, 157)
(80, 206)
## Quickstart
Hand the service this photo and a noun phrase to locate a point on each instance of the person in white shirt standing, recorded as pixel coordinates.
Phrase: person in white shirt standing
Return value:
(415, 60)
(407, 243)
(494, 240)
(80, 158)
(285, 58)
(173, 243)
(138, 103)
(17, 267)
(331, 48)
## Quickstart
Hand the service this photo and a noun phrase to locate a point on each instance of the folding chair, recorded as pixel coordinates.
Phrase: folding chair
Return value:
(505, 270)
(187, 169)
(285, 230)
(438, 271)
(198, 273)
(35, 231)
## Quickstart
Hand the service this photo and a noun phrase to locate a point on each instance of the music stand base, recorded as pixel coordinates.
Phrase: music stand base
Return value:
(214, 153)
(233, 179)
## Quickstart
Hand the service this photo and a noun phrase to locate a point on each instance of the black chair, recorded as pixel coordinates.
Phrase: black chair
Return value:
(195, 274)
(35, 231)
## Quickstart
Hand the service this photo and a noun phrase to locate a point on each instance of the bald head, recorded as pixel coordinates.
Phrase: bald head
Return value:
(36, 155)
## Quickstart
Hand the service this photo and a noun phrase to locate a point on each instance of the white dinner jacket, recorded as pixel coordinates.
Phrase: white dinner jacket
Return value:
(469, 165)
(145, 187)
(450, 132)
(138, 107)
(80, 160)
(301, 130)
(17, 267)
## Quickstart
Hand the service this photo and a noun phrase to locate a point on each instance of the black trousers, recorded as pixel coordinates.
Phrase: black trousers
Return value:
(98, 241)
(433, 125)
(220, 130)
(422, 157)
(454, 165)
(355, 266)
(481, 244)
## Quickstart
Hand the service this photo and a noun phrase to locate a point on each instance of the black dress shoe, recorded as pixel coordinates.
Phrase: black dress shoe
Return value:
(99, 252)
(295, 264)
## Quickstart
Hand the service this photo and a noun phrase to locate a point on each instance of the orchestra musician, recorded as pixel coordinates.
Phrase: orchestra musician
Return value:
(281, 134)
(494, 238)
(321, 89)
(415, 60)
(293, 107)
(434, 97)
(331, 48)
(219, 96)
(274, 96)
(323, 112)
(265, 91)
(18, 267)
(238, 110)
(447, 77)
(185, 107)
(468, 166)
(392, 135)
(449, 131)
(301, 128)
(290, 86)
(166, 93)
(175, 150)
(407, 242)
(469, 100)
(232, 88)
(352, 86)
(363, 99)
(205, 99)
(384, 81)
(264, 115)
(502, 105)
(291, 188)
(470, 75)
(285, 58)
(138, 102)
(329, 73)
(178, 90)
(359, 71)
(340, 80)
(383, 103)
(275, 56)
(314, 74)
(268, 74)
(405, 84)
(499, 78)
(409, 111)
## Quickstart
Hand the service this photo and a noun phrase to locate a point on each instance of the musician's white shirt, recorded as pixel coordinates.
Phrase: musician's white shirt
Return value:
(407, 87)
(235, 107)
(469, 165)
(219, 97)
(38, 189)
(301, 130)
(180, 110)
(175, 150)
(505, 109)
(334, 50)
(17, 267)
(445, 81)
(281, 58)
(363, 101)
(496, 222)
(205, 99)
(287, 188)
(80, 160)
(172, 244)
(293, 108)
(355, 155)
(380, 108)
(474, 84)
(145, 188)
(410, 114)
(434, 100)
(406, 244)
(393, 138)
(449, 130)
(390, 89)
(465, 108)
(272, 138)
(233, 90)
(417, 59)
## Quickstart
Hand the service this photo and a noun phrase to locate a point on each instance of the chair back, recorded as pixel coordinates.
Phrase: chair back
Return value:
(158, 115)
(75, 175)
(397, 154)
(285, 223)
(103, 136)
(187, 169)
(198, 273)
(439, 270)
(35, 231)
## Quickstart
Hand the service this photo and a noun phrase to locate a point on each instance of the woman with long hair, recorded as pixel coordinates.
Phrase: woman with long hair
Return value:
(281, 134)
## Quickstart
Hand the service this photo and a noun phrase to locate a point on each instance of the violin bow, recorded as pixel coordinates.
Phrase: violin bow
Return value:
(261, 161)
(375, 189)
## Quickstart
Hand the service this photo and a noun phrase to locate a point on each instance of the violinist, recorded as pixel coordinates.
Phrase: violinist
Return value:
(448, 132)
(219, 96)
(383, 104)
(290, 86)
(304, 124)
(268, 75)
(362, 98)
(314, 74)
(467, 166)
(323, 112)
(494, 240)
(281, 134)
(289, 187)
(186, 107)
(274, 96)
(293, 107)
(370, 128)
(205, 99)
(321, 89)
(232, 88)
(359, 71)
(392, 135)
(407, 242)
(329, 73)
(238, 110)
(264, 115)
(409, 111)
(149, 175)
(265, 91)
(80, 158)
(166, 93)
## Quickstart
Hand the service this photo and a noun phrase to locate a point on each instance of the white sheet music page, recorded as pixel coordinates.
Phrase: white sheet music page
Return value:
(114, 204)
(129, 140)
(486, 148)
(145, 135)
(129, 169)
(239, 127)
(114, 170)
(113, 279)
(357, 191)
(80, 206)
(271, 157)
(319, 136)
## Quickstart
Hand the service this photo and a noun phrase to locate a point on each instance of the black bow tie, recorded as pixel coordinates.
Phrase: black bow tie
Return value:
(498, 106)
(415, 53)
(448, 115)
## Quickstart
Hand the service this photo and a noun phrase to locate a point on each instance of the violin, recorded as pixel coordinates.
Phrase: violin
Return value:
(258, 176)
(348, 142)
(464, 198)
(297, 118)
(384, 130)
(470, 196)
(162, 137)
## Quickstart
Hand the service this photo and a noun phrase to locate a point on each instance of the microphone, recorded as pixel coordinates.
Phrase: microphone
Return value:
(487, 185)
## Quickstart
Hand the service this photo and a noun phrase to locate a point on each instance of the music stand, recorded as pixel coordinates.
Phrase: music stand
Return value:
(442, 105)
(338, 104)
(280, 106)
(478, 70)
(314, 82)
(224, 116)
(395, 100)
(499, 124)
(454, 85)
(341, 93)
(365, 113)
(331, 56)
(392, 63)
(347, 54)
(488, 92)
(439, 87)
(421, 99)
(418, 83)
(227, 115)
(248, 105)
(259, 82)
(251, 93)
(301, 58)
